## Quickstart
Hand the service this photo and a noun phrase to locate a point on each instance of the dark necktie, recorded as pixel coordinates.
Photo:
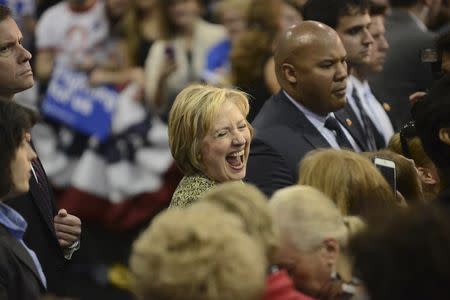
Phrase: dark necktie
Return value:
(43, 185)
(333, 125)
(367, 123)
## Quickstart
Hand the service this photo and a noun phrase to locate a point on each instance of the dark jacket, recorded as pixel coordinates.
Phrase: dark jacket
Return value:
(283, 135)
(19, 278)
(40, 234)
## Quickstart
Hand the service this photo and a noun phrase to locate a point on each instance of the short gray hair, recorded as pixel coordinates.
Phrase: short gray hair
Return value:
(306, 217)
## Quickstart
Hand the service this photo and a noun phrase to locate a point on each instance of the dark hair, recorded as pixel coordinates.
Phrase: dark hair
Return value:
(5, 12)
(406, 256)
(15, 121)
(377, 9)
(329, 11)
(167, 26)
(402, 3)
(430, 115)
(443, 42)
(253, 48)
(407, 132)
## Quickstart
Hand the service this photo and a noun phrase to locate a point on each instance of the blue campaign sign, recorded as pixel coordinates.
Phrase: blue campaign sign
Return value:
(71, 100)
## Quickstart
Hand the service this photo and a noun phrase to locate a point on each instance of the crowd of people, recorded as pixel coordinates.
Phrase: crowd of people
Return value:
(247, 149)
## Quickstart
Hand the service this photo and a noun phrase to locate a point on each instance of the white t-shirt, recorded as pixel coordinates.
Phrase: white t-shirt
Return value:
(75, 36)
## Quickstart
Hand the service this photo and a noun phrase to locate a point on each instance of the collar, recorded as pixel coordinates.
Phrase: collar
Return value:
(418, 22)
(362, 87)
(312, 116)
(13, 221)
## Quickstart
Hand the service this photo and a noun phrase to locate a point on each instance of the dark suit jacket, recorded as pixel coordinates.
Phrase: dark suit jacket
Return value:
(357, 131)
(40, 234)
(403, 72)
(283, 135)
(19, 278)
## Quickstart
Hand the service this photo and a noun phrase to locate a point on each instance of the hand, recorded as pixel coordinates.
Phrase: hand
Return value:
(98, 77)
(169, 66)
(415, 97)
(137, 75)
(67, 228)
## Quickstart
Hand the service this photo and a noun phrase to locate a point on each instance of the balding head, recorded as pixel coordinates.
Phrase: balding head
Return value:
(311, 52)
(299, 37)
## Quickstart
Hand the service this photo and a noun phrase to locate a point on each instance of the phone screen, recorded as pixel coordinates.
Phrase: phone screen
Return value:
(387, 169)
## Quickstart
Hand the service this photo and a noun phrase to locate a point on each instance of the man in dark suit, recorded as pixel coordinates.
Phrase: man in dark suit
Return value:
(404, 73)
(52, 235)
(310, 65)
(351, 20)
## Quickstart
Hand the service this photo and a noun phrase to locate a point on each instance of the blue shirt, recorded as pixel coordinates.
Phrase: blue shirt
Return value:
(16, 226)
(219, 56)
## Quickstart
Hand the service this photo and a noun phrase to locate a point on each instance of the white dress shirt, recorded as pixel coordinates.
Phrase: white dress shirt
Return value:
(319, 123)
(374, 110)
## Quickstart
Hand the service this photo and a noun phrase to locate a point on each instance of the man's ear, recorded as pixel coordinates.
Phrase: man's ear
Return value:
(444, 135)
(427, 176)
(331, 251)
(289, 73)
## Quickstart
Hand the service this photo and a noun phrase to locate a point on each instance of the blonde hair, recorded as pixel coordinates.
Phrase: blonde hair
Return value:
(251, 205)
(306, 217)
(344, 264)
(197, 253)
(351, 180)
(192, 116)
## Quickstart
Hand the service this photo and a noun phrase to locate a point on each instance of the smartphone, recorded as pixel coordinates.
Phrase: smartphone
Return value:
(387, 169)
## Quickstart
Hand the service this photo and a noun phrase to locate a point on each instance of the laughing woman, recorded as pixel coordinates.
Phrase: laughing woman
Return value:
(21, 275)
(209, 138)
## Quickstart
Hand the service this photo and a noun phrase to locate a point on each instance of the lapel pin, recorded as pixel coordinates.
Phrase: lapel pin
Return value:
(386, 106)
(349, 122)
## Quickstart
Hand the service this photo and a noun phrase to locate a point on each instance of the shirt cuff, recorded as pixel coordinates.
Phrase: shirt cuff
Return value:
(68, 252)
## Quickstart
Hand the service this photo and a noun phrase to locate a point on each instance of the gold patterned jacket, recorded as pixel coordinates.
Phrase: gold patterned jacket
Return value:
(190, 189)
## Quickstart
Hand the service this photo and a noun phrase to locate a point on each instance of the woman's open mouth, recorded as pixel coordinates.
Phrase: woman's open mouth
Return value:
(236, 159)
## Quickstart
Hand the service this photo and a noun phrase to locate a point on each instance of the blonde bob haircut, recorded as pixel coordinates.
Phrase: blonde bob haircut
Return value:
(350, 180)
(191, 117)
(251, 206)
(197, 253)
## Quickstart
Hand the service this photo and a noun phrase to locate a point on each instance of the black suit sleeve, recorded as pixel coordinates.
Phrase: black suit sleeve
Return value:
(267, 169)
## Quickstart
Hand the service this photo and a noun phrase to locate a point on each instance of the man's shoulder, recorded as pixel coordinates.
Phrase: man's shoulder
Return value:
(273, 112)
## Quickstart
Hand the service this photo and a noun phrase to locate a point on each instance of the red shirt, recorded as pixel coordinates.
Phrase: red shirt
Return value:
(279, 286)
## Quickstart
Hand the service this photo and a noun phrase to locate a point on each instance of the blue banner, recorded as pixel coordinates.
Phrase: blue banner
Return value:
(71, 100)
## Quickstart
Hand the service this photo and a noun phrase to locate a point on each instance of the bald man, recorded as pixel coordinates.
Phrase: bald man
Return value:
(310, 65)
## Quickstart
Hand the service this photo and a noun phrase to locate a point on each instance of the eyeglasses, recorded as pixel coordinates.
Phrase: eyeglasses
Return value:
(407, 132)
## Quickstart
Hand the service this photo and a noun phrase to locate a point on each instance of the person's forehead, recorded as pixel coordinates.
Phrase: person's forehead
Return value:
(376, 20)
(330, 47)
(9, 31)
(348, 21)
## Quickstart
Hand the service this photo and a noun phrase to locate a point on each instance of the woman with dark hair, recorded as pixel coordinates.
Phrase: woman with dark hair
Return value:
(252, 63)
(21, 275)
(179, 57)
(408, 144)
